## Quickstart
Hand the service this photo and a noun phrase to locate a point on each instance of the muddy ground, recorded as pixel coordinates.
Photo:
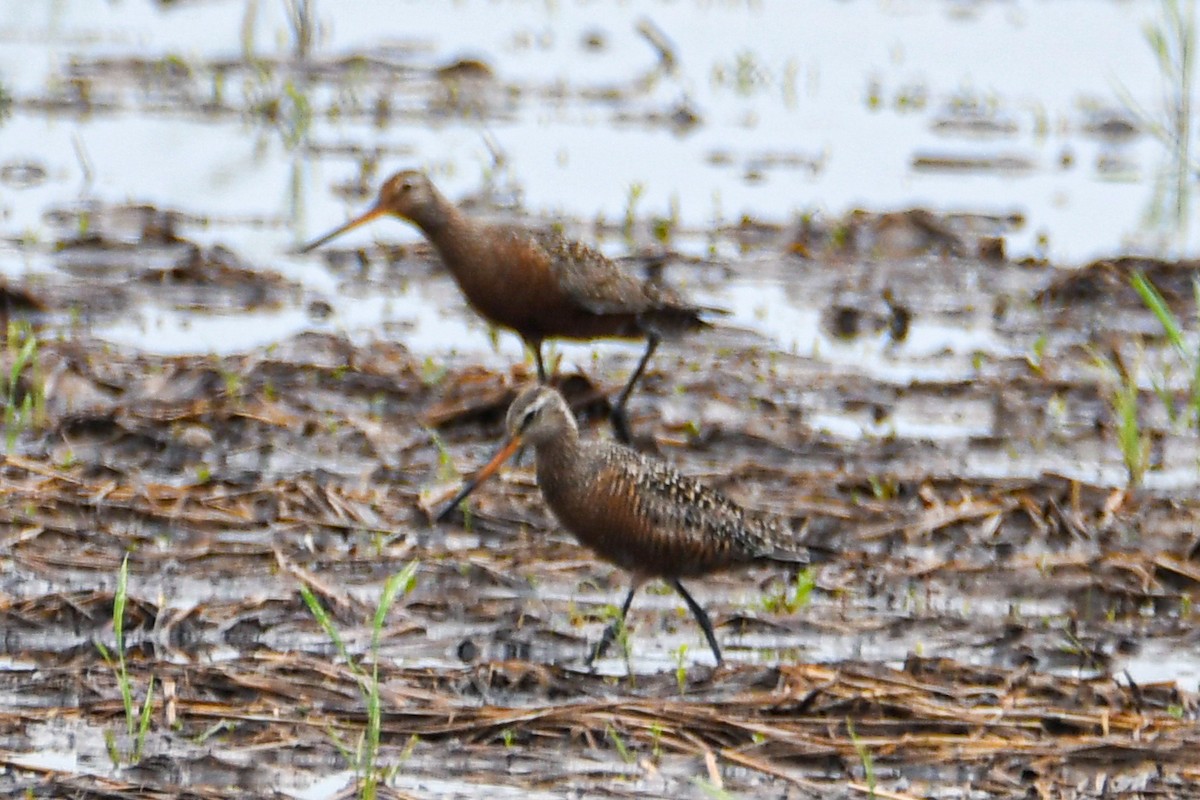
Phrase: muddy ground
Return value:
(983, 619)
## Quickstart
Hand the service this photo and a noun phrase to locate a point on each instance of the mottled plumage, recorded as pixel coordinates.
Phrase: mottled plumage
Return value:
(634, 511)
(537, 283)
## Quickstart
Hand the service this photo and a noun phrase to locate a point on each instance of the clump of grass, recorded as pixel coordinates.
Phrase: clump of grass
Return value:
(614, 736)
(794, 596)
(284, 104)
(137, 722)
(301, 20)
(5, 102)
(681, 670)
(1172, 40)
(1188, 358)
(711, 789)
(1122, 394)
(446, 469)
(432, 372)
(883, 487)
(620, 635)
(300, 17)
(745, 74)
(864, 756)
(637, 190)
(22, 410)
(1036, 356)
(656, 734)
(234, 385)
(364, 756)
(664, 227)
(297, 117)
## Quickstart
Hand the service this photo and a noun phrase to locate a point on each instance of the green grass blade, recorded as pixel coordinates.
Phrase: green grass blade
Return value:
(323, 619)
(24, 356)
(402, 581)
(127, 700)
(1195, 395)
(806, 581)
(342, 746)
(110, 746)
(864, 756)
(119, 600)
(119, 603)
(374, 722)
(144, 721)
(614, 736)
(1158, 305)
(711, 789)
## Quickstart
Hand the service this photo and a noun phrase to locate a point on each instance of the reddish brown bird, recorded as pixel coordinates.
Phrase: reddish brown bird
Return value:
(537, 283)
(635, 511)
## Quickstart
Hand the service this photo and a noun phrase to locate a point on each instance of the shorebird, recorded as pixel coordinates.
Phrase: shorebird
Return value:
(537, 283)
(634, 511)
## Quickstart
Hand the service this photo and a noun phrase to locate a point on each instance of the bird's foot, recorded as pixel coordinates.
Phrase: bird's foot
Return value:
(610, 634)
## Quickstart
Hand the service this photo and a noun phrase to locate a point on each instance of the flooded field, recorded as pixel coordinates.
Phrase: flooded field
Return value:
(928, 243)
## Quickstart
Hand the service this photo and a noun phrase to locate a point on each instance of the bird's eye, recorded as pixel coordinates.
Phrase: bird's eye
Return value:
(407, 186)
(527, 419)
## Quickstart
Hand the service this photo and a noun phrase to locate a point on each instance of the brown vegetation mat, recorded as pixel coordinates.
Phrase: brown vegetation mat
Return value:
(232, 482)
(1006, 732)
(1003, 732)
(991, 611)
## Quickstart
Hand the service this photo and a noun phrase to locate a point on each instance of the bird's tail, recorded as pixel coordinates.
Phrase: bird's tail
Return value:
(784, 539)
(671, 322)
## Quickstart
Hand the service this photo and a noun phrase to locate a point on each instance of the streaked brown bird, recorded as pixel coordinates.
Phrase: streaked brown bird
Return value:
(634, 511)
(537, 283)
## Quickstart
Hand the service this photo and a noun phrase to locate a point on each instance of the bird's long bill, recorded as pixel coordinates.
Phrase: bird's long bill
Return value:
(502, 454)
(371, 213)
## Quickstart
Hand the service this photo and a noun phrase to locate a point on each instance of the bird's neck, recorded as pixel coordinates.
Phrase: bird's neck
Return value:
(440, 220)
(458, 239)
(558, 455)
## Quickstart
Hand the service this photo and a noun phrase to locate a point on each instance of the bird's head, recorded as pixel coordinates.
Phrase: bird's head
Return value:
(409, 195)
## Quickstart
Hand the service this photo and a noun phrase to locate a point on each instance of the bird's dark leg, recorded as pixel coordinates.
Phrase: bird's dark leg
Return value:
(536, 346)
(610, 632)
(617, 416)
(701, 617)
(537, 355)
